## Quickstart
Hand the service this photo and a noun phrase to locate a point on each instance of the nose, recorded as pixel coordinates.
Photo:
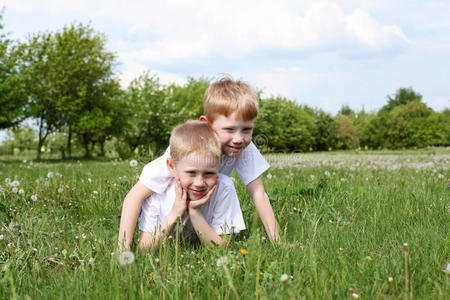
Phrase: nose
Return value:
(238, 138)
(199, 181)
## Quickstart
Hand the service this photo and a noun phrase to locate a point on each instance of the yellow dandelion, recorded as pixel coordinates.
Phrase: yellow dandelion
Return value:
(243, 252)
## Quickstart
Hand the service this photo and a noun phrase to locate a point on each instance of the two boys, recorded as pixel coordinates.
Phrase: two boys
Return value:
(230, 108)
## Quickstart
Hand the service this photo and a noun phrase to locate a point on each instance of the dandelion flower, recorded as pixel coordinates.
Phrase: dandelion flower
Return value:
(133, 163)
(126, 258)
(243, 252)
(222, 261)
(34, 197)
(50, 174)
(284, 278)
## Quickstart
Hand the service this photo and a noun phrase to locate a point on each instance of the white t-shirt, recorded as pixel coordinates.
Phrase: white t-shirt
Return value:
(249, 165)
(222, 212)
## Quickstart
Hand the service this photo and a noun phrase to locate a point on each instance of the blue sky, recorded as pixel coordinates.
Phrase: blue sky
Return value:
(321, 53)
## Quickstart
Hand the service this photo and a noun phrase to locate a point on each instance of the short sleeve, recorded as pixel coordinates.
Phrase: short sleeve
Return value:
(155, 174)
(151, 215)
(226, 215)
(250, 164)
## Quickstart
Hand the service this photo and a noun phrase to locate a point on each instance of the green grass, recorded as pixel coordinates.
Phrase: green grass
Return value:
(343, 217)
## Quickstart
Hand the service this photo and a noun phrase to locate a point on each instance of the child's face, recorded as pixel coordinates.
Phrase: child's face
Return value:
(197, 174)
(234, 134)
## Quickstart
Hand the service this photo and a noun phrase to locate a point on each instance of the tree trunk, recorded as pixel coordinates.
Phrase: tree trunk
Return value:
(86, 146)
(63, 155)
(102, 147)
(69, 143)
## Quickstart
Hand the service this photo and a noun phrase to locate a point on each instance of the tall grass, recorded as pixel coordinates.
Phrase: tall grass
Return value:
(343, 221)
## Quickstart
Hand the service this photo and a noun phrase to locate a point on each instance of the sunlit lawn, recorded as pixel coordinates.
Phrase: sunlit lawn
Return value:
(344, 219)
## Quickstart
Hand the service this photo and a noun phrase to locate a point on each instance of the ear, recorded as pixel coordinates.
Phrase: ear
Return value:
(203, 118)
(170, 166)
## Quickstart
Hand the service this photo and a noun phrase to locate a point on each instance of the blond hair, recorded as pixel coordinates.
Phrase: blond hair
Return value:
(226, 96)
(194, 136)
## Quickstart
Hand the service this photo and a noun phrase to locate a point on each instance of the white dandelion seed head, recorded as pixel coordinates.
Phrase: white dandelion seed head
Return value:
(133, 163)
(60, 190)
(355, 296)
(222, 261)
(312, 177)
(7, 181)
(34, 197)
(284, 278)
(2, 237)
(14, 190)
(328, 174)
(447, 270)
(126, 258)
(95, 192)
(89, 180)
(34, 249)
(47, 183)
(269, 176)
(15, 183)
(50, 175)
(91, 260)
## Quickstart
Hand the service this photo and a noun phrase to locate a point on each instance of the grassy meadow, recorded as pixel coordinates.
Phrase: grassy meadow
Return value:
(344, 219)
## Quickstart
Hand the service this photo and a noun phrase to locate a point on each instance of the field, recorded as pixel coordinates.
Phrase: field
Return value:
(373, 225)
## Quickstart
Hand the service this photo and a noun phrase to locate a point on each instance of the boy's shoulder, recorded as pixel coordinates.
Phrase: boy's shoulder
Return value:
(225, 180)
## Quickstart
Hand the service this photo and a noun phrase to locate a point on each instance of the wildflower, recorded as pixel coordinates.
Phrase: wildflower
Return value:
(312, 177)
(447, 270)
(126, 258)
(355, 296)
(34, 197)
(1, 189)
(14, 190)
(95, 192)
(243, 252)
(91, 260)
(284, 278)
(83, 236)
(2, 237)
(133, 163)
(47, 183)
(89, 180)
(21, 191)
(390, 280)
(60, 190)
(34, 249)
(395, 186)
(269, 176)
(343, 180)
(7, 181)
(327, 173)
(15, 183)
(222, 261)
(440, 176)
(50, 174)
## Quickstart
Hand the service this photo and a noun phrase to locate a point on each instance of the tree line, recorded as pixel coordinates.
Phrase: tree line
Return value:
(64, 82)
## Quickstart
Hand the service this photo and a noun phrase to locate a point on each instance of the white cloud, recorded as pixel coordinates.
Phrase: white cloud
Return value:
(179, 30)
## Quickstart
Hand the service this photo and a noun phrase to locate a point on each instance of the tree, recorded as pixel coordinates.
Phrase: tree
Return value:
(401, 97)
(12, 98)
(37, 74)
(368, 126)
(326, 134)
(347, 134)
(68, 79)
(285, 125)
(409, 126)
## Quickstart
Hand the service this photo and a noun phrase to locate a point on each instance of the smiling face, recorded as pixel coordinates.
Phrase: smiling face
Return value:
(197, 173)
(234, 134)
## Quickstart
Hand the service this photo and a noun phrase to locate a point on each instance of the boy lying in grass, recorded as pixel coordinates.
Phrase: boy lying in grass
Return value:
(205, 201)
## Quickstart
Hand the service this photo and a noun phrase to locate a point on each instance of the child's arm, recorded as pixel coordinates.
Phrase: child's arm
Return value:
(263, 207)
(151, 239)
(204, 231)
(130, 212)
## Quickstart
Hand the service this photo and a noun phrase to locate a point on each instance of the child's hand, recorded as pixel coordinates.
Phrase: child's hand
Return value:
(180, 204)
(197, 203)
